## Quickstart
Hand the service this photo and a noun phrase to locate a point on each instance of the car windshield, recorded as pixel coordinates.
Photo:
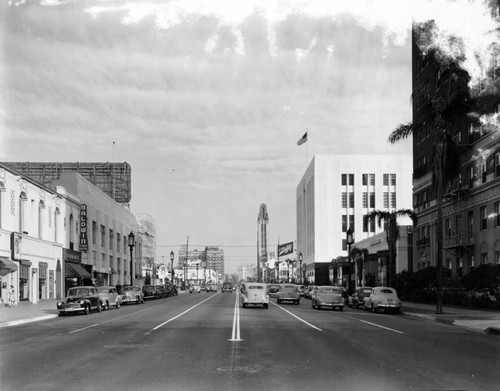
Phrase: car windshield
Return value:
(78, 292)
(329, 290)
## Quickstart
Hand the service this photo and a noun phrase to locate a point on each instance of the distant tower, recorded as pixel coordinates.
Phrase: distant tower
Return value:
(262, 222)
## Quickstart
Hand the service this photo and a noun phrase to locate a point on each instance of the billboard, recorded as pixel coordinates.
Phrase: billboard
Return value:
(285, 249)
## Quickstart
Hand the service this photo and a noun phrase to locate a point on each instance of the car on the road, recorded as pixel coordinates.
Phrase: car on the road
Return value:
(383, 297)
(132, 294)
(308, 291)
(358, 297)
(211, 288)
(273, 289)
(195, 288)
(150, 292)
(227, 287)
(161, 291)
(109, 297)
(288, 292)
(171, 290)
(80, 299)
(327, 296)
(254, 293)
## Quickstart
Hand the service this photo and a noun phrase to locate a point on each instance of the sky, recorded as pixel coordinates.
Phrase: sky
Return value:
(206, 100)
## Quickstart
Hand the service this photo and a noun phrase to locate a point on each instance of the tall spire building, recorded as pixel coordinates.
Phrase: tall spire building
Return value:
(262, 222)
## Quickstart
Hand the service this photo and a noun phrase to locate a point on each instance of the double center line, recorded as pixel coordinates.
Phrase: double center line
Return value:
(235, 335)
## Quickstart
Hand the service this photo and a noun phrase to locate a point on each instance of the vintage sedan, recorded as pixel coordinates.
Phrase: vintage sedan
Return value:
(273, 289)
(254, 293)
(227, 287)
(327, 296)
(383, 297)
(150, 292)
(288, 292)
(195, 288)
(109, 297)
(358, 297)
(80, 299)
(132, 294)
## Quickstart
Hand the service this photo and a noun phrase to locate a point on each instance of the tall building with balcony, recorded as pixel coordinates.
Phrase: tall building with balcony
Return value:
(337, 191)
(471, 203)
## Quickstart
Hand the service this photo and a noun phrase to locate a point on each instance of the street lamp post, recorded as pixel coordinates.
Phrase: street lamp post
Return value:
(288, 261)
(304, 273)
(172, 266)
(301, 273)
(349, 242)
(131, 244)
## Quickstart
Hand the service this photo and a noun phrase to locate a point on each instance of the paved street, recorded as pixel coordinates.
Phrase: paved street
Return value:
(207, 342)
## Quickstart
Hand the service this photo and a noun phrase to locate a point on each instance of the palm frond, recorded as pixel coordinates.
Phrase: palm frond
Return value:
(402, 132)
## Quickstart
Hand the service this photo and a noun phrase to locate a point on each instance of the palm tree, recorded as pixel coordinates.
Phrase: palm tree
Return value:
(359, 255)
(392, 232)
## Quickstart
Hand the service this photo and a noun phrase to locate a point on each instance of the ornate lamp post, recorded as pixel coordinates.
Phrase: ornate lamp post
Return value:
(131, 244)
(349, 241)
(172, 266)
(301, 273)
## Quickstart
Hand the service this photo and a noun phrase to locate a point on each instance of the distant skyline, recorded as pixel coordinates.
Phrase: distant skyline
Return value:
(206, 100)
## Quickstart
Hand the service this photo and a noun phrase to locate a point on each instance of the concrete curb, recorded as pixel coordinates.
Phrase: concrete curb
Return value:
(28, 320)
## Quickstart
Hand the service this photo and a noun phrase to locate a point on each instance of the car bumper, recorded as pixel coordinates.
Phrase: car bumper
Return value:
(73, 309)
(333, 305)
(129, 300)
(390, 306)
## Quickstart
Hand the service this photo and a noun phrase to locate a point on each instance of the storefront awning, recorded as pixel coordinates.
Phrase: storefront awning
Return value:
(6, 266)
(75, 270)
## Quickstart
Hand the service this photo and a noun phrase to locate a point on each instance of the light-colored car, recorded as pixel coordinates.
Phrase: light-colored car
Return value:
(254, 293)
(327, 296)
(194, 288)
(109, 297)
(383, 297)
(132, 294)
(288, 292)
(80, 299)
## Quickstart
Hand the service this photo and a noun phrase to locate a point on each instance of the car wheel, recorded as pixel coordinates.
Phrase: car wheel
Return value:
(278, 301)
(244, 305)
(265, 306)
(297, 302)
(318, 306)
(107, 305)
(87, 310)
(60, 314)
(99, 307)
(118, 304)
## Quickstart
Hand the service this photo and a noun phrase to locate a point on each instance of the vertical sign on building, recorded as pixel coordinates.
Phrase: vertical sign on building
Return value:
(84, 245)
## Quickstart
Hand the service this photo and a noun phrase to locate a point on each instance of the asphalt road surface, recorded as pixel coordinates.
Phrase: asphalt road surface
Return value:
(206, 341)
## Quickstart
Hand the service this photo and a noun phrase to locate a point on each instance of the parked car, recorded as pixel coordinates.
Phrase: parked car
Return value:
(327, 296)
(254, 293)
(171, 290)
(359, 295)
(161, 292)
(302, 290)
(109, 297)
(150, 292)
(273, 289)
(227, 287)
(288, 292)
(132, 294)
(195, 288)
(382, 297)
(80, 299)
(307, 293)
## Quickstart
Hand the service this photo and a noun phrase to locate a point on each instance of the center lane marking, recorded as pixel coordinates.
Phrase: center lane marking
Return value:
(235, 334)
(296, 317)
(178, 316)
(371, 324)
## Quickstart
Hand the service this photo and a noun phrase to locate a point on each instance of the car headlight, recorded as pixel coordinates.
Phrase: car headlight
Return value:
(59, 303)
(82, 302)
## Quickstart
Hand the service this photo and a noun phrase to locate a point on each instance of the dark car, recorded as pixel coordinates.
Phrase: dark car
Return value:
(161, 292)
(80, 299)
(227, 287)
(273, 289)
(288, 292)
(149, 292)
(359, 295)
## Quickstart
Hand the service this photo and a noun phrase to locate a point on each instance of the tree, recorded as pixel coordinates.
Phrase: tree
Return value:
(392, 232)
(359, 256)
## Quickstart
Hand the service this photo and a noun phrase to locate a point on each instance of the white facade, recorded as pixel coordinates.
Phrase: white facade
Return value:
(335, 193)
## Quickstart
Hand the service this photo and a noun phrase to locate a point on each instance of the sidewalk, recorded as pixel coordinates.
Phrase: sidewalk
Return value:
(26, 312)
(479, 320)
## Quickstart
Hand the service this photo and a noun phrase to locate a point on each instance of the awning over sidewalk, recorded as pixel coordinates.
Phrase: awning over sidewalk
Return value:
(6, 266)
(75, 270)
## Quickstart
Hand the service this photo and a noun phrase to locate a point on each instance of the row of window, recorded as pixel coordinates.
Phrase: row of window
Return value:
(368, 179)
(111, 264)
(121, 245)
(368, 200)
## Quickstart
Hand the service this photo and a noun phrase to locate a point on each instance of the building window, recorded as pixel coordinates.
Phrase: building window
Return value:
(22, 210)
(470, 177)
(94, 258)
(118, 241)
(344, 245)
(351, 200)
(447, 224)
(483, 171)
(364, 179)
(484, 218)
(365, 200)
(470, 224)
(94, 232)
(371, 179)
(484, 258)
(344, 223)
(393, 199)
(41, 221)
(385, 179)
(111, 239)
(351, 222)
(386, 199)
(365, 223)
(392, 179)
(103, 236)
(372, 224)
(460, 268)
(57, 217)
(497, 164)
(372, 200)
(124, 244)
(351, 179)
(344, 179)
(344, 200)
(103, 260)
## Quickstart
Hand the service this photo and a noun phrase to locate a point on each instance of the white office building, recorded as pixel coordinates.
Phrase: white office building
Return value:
(336, 191)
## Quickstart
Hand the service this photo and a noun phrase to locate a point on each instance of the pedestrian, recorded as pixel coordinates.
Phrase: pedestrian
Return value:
(12, 296)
